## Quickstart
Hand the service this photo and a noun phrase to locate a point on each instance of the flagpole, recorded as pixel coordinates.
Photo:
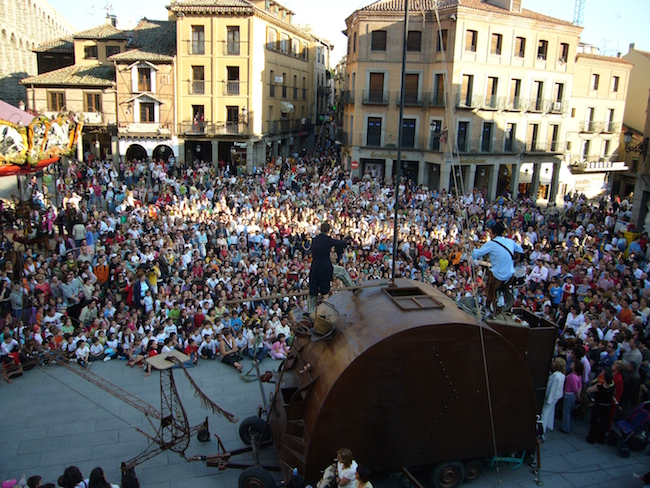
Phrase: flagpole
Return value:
(398, 170)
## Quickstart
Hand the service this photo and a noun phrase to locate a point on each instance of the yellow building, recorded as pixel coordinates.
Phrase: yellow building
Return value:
(637, 93)
(245, 80)
(145, 85)
(494, 80)
(87, 87)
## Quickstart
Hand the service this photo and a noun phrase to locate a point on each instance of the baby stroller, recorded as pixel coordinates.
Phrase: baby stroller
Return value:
(632, 431)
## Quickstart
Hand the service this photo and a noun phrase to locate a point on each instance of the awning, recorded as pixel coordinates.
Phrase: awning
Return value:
(14, 115)
(287, 108)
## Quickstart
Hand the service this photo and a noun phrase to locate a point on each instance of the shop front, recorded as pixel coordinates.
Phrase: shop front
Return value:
(197, 150)
(375, 167)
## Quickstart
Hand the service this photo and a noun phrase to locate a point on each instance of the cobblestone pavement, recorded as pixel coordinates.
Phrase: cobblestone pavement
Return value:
(47, 426)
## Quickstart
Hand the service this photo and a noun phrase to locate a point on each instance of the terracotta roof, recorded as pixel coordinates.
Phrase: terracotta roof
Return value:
(644, 53)
(429, 6)
(104, 31)
(221, 6)
(153, 40)
(60, 45)
(609, 59)
(79, 75)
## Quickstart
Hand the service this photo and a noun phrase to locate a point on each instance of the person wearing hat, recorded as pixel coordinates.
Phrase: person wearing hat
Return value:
(322, 270)
(501, 251)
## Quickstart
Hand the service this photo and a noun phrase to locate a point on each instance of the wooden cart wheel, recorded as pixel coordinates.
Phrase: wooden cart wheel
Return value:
(473, 469)
(256, 477)
(447, 475)
(203, 436)
(253, 426)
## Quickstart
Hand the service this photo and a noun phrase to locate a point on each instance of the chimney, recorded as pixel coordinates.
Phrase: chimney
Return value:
(111, 20)
(631, 47)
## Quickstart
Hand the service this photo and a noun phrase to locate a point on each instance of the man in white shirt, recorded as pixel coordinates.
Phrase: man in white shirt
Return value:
(539, 273)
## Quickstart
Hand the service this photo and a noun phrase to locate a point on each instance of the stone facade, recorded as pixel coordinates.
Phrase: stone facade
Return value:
(24, 24)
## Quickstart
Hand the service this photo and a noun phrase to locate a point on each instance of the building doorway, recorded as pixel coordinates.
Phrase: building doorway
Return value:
(136, 152)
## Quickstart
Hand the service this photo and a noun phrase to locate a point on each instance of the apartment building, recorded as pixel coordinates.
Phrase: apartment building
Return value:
(86, 87)
(145, 85)
(492, 80)
(246, 80)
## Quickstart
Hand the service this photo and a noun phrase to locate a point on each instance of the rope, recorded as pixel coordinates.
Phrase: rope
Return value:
(489, 395)
(89, 399)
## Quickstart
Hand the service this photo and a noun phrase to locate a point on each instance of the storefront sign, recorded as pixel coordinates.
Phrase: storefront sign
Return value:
(239, 144)
(375, 155)
(473, 161)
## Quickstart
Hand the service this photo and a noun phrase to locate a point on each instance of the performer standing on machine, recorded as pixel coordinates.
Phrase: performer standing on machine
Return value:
(501, 251)
(322, 270)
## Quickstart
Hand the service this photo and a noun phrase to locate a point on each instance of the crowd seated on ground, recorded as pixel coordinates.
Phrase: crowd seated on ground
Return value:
(72, 478)
(146, 256)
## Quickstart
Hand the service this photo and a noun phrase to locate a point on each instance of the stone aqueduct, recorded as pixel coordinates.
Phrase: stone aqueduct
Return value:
(24, 24)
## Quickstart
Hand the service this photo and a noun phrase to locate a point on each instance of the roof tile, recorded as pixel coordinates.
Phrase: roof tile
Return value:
(79, 75)
(60, 45)
(153, 40)
(104, 31)
(599, 57)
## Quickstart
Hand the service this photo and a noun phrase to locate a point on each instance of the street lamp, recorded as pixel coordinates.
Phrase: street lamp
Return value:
(641, 148)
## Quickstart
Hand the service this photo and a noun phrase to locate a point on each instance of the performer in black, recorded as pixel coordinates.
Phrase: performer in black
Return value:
(322, 270)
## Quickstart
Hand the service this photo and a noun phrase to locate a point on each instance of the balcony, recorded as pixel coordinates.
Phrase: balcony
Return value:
(283, 126)
(468, 101)
(374, 141)
(590, 126)
(410, 100)
(344, 138)
(295, 93)
(304, 93)
(559, 107)
(144, 128)
(195, 128)
(323, 91)
(231, 87)
(375, 98)
(611, 127)
(93, 118)
(230, 128)
(196, 48)
(553, 147)
(197, 87)
(231, 48)
(348, 96)
(437, 100)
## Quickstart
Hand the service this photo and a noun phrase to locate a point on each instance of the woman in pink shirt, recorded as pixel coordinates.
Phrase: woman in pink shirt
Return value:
(572, 390)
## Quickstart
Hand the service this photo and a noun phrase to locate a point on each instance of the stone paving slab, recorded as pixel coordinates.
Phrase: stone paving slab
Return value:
(52, 427)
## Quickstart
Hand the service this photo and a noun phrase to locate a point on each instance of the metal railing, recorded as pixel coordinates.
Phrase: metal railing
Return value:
(196, 48)
(348, 96)
(552, 147)
(195, 128)
(231, 87)
(410, 99)
(231, 48)
(375, 98)
(281, 126)
(611, 126)
(437, 100)
(229, 127)
(197, 87)
(590, 126)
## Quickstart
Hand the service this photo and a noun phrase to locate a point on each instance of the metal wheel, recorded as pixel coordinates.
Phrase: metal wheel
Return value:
(203, 436)
(624, 452)
(473, 469)
(256, 477)
(447, 475)
(253, 426)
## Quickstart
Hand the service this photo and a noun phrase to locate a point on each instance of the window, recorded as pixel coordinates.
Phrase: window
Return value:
(439, 90)
(511, 133)
(542, 50)
(486, 137)
(198, 80)
(595, 81)
(615, 82)
(408, 133)
(354, 43)
(610, 121)
(589, 122)
(232, 120)
(284, 43)
(305, 50)
(374, 132)
(558, 92)
(414, 41)
(471, 39)
(93, 102)
(586, 149)
(606, 149)
(378, 42)
(462, 137)
(90, 52)
(492, 90)
(435, 133)
(271, 39)
(564, 52)
(232, 42)
(198, 39)
(271, 84)
(284, 85)
(232, 84)
(466, 91)
(56, 101)
(294, 47)
(198, 118)
(110, 50)
(411, 88)
(495, 45)
(520, 47)
(441, 40)
(144, 79)
(376, 91)
(295, 87)
(147, 112)
(267, 6)
(555, 135)
(304, 88)
(538, 91)
(515, 94)
(533, 132)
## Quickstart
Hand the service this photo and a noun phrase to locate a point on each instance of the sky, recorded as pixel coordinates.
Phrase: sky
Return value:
(609, 25)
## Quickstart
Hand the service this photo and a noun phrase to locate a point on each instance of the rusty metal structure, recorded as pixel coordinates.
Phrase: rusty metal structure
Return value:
(174, 432)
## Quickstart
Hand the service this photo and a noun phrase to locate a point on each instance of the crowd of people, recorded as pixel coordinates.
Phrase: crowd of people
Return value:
(72, 478)
(150, 256)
